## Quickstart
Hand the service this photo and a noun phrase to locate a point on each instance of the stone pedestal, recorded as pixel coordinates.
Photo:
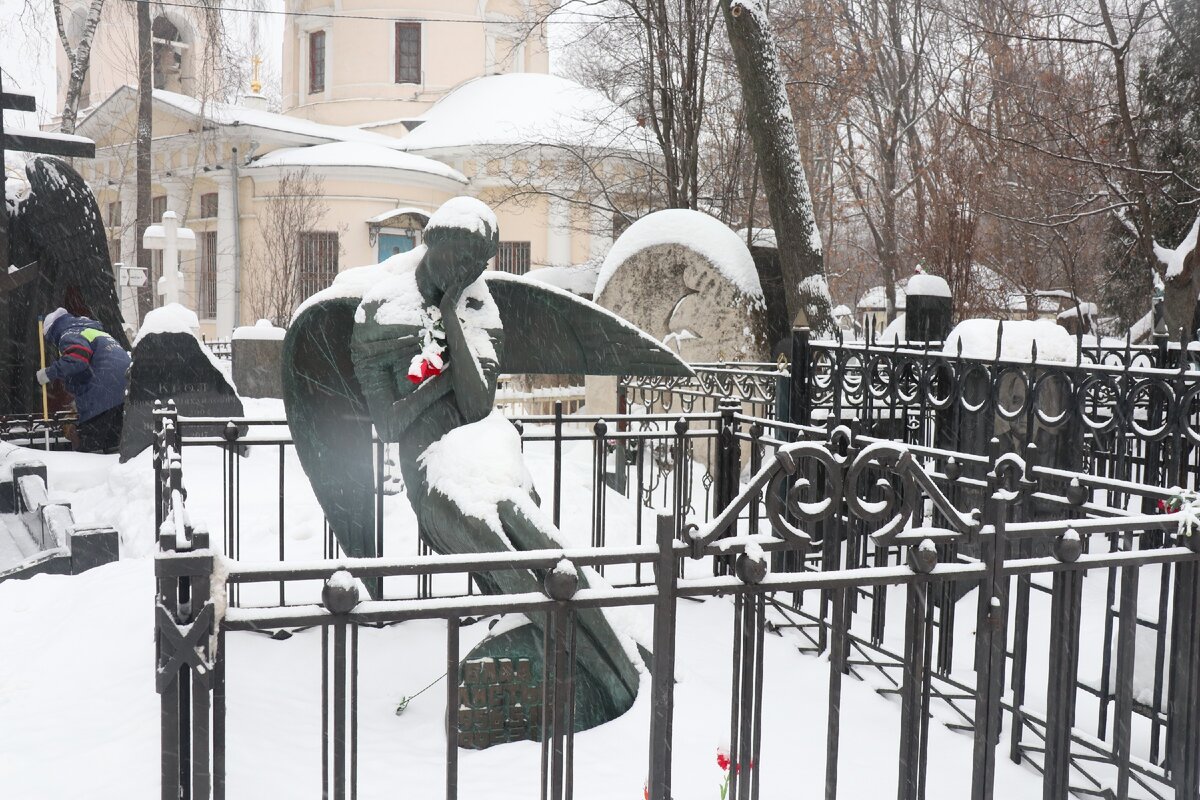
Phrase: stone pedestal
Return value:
(257, 360)
(928, 309)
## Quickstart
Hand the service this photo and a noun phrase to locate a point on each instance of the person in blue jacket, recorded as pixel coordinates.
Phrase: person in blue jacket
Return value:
(94, 369)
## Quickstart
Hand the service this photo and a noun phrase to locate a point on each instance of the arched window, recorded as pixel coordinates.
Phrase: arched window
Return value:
(170, 56)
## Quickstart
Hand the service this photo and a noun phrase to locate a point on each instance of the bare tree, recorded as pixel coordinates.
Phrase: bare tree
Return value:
(769, 120)
(76, 40)
(277, 262)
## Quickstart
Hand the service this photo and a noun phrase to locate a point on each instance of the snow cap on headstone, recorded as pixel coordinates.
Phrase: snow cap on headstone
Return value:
(466, 213)
(171, 318)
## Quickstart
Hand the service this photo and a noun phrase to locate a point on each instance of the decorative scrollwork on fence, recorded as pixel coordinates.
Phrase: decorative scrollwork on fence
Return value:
(811, 482)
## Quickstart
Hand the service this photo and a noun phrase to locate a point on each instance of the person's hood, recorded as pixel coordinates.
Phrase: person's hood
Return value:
(53, 317)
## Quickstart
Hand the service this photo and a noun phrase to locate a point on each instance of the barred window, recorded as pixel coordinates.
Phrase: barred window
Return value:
(513, 257)
(318, 261)
(206, 276)
(316, 62)
(408, 52)
(208, 205)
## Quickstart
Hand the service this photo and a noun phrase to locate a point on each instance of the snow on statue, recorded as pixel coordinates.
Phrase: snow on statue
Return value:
(414, 345)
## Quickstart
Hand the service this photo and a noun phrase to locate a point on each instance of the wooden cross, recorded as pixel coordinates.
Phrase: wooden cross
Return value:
(28, 141)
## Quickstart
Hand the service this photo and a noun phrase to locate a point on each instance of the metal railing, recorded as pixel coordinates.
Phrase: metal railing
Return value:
(842, 517)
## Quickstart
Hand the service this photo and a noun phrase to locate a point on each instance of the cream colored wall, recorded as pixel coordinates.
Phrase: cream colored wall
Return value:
(360, 56)
(349, 203)
(114, 52)
(524, 222)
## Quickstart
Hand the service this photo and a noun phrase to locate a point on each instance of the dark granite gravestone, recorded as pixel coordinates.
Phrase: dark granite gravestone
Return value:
(173, 366)
(258, 360)
(928, 309)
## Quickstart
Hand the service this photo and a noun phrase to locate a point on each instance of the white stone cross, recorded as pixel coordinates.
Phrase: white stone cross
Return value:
(171, 239)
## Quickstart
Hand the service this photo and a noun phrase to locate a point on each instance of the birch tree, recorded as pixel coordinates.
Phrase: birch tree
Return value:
(78, 48)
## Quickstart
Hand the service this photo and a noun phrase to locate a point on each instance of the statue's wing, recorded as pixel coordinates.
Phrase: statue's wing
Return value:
(65, 229)
(549, 330)
(330, 423)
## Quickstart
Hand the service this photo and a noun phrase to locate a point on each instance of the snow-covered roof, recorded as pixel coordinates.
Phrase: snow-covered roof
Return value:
(708, 236)
(525, 109)
(876, 298)
(402, 211)
(1088, 310)
(231, 115)
(357, 154)
(842, 311)
(1173, 259)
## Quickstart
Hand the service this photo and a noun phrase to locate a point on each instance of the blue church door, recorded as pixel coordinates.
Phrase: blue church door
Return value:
(391, 244)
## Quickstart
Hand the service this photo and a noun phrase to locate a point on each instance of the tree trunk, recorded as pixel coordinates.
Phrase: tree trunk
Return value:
(144, 130)
(769, 119)
(79, 57)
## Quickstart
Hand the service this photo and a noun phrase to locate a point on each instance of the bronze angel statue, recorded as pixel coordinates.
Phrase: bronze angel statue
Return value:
(414, 346)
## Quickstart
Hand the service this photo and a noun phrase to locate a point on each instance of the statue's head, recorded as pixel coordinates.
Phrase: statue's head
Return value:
(461, 237)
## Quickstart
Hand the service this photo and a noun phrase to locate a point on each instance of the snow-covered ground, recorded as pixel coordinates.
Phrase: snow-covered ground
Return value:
(79, 715)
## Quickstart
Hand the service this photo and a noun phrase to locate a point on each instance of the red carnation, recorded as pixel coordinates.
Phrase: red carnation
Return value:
(722, 758)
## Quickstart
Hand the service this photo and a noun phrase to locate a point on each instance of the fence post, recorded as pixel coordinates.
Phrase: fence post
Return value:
(1183, 736)
(556, 507)
(991, 638)
(184, 621)
(799, 406)
(728, 469)
(662, 701)
(1066, 595)
(912, 704)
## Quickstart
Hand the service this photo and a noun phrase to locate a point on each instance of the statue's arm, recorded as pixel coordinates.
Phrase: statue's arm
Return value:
(413, 404)
(474, 380)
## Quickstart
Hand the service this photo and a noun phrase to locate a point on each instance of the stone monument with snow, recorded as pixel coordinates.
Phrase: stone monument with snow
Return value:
(929, 308)
(171, 363)
(257, 352)
(412, 347)
(687, 279)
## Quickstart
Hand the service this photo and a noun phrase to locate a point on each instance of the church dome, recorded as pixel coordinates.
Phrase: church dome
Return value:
(525, 109)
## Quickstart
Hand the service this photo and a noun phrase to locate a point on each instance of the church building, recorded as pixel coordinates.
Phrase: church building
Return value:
(386, 110)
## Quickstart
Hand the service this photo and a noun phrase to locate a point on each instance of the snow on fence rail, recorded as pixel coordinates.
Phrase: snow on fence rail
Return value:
(828, 527)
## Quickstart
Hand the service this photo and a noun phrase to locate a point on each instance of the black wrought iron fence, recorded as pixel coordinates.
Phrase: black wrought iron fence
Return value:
(847, 520)
(647, 461)
(31, 430)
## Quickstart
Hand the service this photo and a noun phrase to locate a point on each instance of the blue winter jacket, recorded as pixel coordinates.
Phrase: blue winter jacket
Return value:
(91, 364)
